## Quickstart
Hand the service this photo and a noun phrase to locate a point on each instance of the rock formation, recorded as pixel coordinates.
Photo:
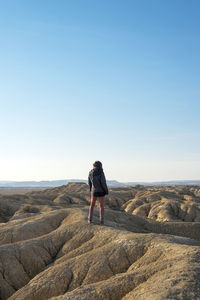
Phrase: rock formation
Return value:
(166, 203)
(49, 251)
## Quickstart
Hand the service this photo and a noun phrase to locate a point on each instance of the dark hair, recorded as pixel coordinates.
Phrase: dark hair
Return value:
(97, 164)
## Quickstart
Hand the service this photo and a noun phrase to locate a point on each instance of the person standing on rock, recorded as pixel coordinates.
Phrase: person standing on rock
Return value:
(98, 189)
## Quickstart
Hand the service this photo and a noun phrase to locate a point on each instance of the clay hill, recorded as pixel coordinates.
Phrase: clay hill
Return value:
(149, 247)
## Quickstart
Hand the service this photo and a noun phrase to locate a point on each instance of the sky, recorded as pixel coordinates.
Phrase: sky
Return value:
(115, 81)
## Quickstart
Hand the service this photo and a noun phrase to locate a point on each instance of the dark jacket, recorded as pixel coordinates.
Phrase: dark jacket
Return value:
(97, 182)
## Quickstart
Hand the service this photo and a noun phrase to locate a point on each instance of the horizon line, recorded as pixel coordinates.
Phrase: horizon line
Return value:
(135, 181)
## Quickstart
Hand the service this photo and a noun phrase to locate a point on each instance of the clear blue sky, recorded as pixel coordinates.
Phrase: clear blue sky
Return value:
(116, 81)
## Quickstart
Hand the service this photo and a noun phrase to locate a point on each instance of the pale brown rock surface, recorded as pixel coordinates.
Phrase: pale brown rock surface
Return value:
(49, 251)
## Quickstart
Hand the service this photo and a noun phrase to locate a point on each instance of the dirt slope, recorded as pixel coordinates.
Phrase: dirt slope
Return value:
(49, 251)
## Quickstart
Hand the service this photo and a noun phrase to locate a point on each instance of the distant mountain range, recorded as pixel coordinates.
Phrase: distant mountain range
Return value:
(114, 183)
(51, 183)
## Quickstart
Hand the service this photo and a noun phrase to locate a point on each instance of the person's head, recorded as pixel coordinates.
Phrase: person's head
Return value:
(97, 164)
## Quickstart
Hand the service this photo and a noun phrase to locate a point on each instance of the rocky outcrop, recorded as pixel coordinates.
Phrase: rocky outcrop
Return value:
(53, 253)
(166, 204)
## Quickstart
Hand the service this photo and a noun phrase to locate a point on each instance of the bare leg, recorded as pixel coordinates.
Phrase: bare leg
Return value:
(92, 204)
(101, 204)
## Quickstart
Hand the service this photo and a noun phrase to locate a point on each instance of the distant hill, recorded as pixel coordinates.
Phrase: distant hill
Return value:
(171, 182)
(113, 183)
(51, 183)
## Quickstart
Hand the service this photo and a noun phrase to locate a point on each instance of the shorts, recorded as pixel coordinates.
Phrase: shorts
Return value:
(98, 194)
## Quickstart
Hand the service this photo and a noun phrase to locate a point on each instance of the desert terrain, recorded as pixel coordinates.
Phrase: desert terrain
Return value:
(149, 247)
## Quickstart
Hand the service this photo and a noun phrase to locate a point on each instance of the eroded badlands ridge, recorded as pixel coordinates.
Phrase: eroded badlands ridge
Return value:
(49, 251)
